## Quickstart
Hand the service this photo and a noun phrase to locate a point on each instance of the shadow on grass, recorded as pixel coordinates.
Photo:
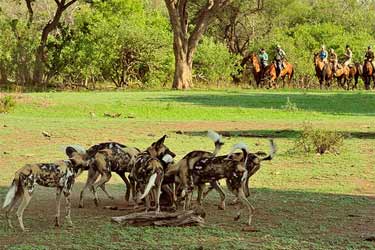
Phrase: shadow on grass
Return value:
(290, 218)
(268, 133)
(332, 103)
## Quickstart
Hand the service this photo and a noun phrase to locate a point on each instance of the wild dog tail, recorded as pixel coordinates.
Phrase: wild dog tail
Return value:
(272, 153)
(217, 140)
(150, 185)
(11, 193)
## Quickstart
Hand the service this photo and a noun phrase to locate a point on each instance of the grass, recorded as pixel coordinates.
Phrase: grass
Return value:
(303, 201)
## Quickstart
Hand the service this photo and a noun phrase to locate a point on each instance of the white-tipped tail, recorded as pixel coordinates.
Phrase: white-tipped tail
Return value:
(150, 184)
(10, 195)
(79, 148)
(240, 146)
(214, 136)
(245, 174)
(167, 158)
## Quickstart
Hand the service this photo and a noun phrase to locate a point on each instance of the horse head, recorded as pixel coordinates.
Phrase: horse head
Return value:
(255, 62)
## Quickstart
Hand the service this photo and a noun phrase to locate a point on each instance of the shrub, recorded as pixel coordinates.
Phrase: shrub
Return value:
(319, 141)
(290, 106)
(6, 104)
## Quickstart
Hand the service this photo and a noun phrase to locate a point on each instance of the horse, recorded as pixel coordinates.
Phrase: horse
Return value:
(359, 73)
(256, 68)
(368, 74)
(286, 72)
(324, 71)
(342, 75)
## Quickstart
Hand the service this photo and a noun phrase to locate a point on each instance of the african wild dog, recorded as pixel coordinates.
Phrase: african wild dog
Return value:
(105, 161)
(60, 175)
(181, 170)
(91, 152)
(213, 169)
(232, 167)
(252, 166)
(148, 172)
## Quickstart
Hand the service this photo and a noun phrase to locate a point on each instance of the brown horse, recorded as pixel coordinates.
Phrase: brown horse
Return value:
(345, 75)
(368, 74)
(323, 71)
(287, 72)
(256, 68)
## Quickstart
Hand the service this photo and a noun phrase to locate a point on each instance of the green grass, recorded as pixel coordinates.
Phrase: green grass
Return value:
(302, 201)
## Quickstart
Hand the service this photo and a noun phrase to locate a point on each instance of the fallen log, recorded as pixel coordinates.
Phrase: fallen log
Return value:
(180, 218)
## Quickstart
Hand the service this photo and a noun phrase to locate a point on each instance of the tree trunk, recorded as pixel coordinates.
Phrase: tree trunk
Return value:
(3, 74)
(182, 74)
(40, 55)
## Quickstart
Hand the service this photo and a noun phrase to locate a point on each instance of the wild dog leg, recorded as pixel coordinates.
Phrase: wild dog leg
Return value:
(147, 201)
(170, 192)
(218, 188)
(58, 201)
(25, 201)
(103, 179)
(106, 192)
(91, 178)
(68, 208)
(128, 186)
(133, 188)
(157, 197)
(11, 206)
(200, 192)
(241, 196)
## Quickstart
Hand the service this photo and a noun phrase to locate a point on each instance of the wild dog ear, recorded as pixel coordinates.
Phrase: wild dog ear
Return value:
(69, 151)
(161, 141)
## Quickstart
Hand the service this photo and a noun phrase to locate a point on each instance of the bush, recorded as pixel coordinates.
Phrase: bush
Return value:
(6, 104)
(213, 62)
(290, 106)
(319, 141)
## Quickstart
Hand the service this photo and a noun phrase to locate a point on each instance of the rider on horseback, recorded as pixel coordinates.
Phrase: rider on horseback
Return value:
(280, 57)
(333, 59)
(263, 56)
(323, 54)
(370, 56)
(348, 56)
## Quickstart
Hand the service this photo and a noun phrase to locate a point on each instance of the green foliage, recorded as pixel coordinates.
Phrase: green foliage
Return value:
(119, 41)
(213, 62)
(319, 141)
(7, 103)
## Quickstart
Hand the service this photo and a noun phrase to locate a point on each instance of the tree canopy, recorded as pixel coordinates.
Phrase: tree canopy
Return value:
(133, 43)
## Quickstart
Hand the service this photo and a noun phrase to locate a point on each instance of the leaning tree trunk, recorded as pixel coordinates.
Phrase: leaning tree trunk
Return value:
(40, 55)
(185, 42)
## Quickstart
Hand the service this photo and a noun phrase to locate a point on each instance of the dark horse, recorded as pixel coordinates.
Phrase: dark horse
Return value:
(323, 71)
(368, 74)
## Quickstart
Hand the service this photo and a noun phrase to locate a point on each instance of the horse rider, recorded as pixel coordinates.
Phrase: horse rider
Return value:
(333, 59)
(369, 56)
(323, 54)
(280, 57)
(263, 56)
(348, 55)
